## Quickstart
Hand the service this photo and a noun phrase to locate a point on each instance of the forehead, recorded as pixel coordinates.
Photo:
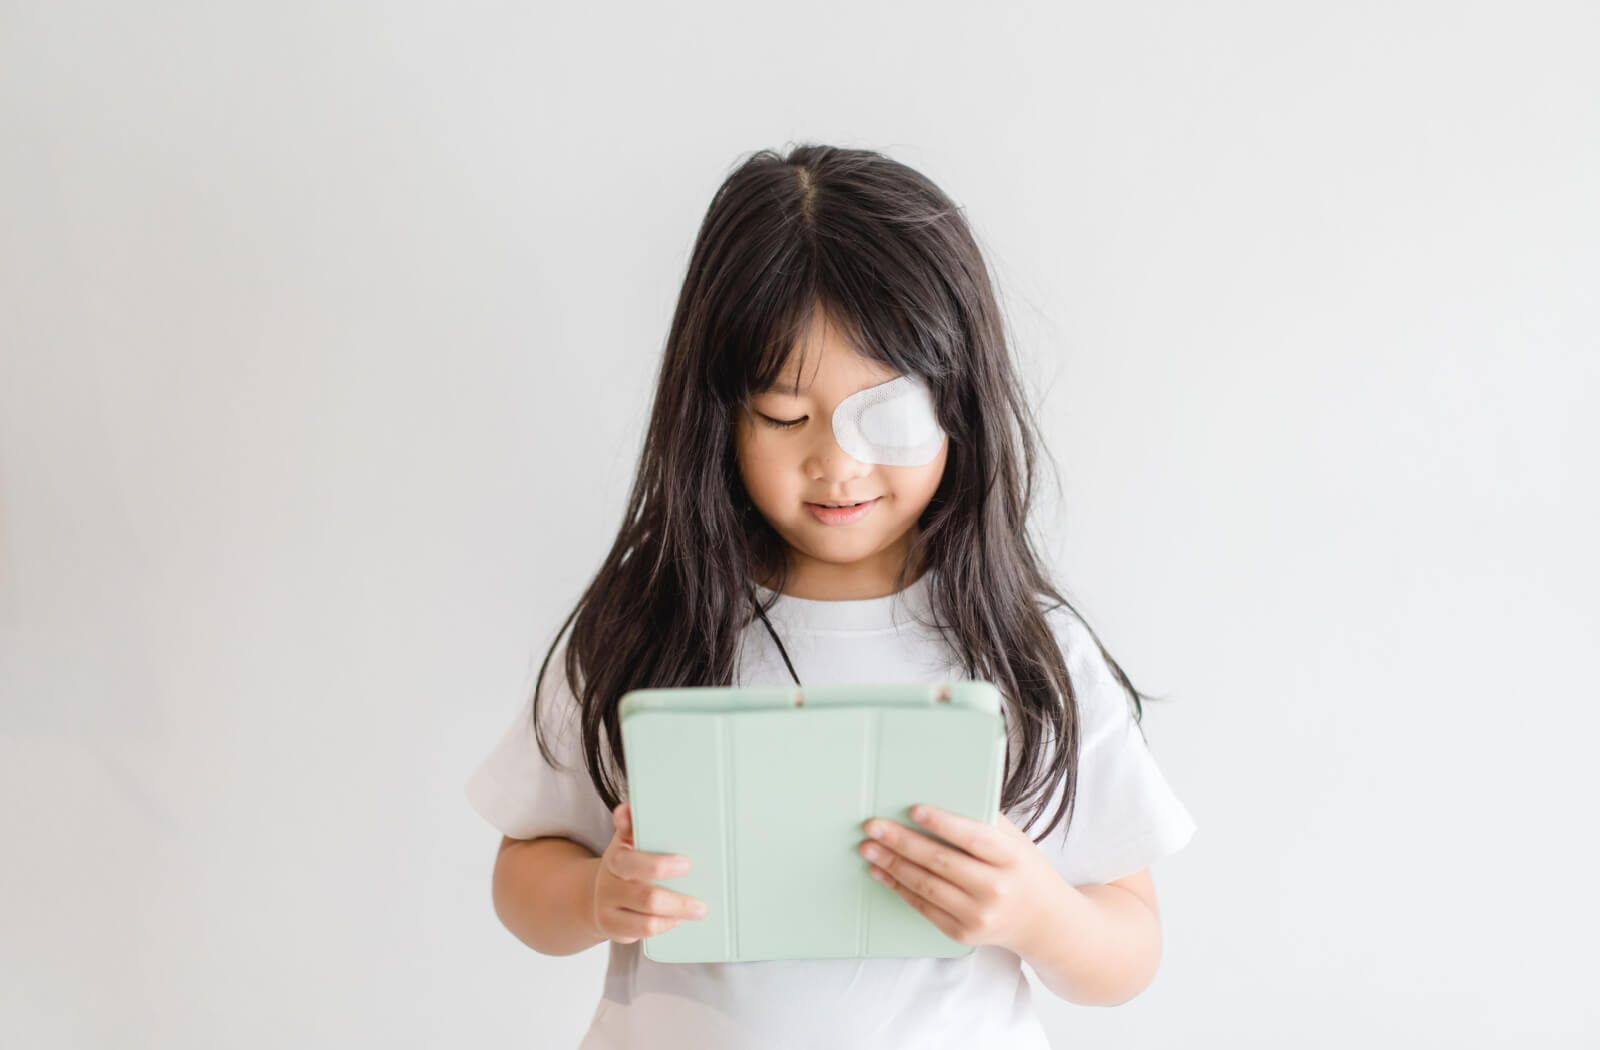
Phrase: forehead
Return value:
(836, 367)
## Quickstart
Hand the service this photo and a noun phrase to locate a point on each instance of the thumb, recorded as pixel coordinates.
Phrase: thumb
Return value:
(622, 818)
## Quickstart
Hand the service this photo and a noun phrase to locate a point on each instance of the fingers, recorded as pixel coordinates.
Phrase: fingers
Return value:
(630, 909)
(989, 842)
(622, 820)
(653, 915)
(657, 900)
(631, 906)
(631, 863)
(627, 926)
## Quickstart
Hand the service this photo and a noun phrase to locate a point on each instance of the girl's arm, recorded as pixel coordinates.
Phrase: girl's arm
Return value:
(1115, 945)
(544, 894)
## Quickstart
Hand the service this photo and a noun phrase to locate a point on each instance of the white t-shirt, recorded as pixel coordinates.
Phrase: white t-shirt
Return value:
(1126, 818)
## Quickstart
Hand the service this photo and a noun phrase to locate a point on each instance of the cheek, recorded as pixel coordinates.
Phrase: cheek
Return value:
(918, 484)
(757, 466)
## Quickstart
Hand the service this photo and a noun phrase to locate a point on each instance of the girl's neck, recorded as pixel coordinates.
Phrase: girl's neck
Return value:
(832, 582)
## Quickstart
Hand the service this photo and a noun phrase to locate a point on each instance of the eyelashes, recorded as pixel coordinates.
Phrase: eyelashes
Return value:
(790, 424)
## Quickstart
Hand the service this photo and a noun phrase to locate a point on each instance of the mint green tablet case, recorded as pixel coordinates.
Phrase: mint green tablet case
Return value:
(766, 789)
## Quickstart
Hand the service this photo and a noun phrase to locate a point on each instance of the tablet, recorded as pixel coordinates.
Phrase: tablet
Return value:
(766, 789)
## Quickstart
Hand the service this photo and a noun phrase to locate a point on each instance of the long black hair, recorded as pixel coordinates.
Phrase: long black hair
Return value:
(887, 255)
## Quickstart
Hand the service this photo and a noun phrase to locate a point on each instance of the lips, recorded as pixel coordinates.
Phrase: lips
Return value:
(841, 515)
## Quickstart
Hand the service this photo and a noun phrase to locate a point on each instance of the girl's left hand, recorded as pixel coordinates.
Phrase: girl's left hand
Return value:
(987, 892)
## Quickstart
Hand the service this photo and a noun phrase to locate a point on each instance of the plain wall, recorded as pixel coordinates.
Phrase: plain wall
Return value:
(326, 341)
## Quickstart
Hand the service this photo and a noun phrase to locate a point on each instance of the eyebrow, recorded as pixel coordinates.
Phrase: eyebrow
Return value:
(778, 385)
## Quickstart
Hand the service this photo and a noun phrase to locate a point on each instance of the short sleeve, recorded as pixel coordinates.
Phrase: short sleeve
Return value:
(1125, 817)
(517, 791)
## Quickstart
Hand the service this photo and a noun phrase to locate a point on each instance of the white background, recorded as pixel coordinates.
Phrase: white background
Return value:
(326, 341)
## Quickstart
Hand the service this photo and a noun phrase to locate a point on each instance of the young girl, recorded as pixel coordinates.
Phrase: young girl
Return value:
(837, 342)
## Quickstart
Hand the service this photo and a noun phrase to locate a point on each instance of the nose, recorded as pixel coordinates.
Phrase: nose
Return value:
(827, 462)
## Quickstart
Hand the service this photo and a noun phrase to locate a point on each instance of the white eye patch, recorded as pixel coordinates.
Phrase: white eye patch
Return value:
(892, 423)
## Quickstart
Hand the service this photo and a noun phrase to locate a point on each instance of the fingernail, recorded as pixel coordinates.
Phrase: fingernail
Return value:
(699, 911)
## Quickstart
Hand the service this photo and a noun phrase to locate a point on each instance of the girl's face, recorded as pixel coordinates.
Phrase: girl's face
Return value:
(787, 470)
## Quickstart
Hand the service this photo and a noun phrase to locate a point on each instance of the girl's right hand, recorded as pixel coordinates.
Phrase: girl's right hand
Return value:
(626, 905)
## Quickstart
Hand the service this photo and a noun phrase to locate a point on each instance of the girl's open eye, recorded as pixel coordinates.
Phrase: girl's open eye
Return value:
(782, 424)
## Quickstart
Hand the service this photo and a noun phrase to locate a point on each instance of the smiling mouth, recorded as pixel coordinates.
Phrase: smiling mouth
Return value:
(842, 516)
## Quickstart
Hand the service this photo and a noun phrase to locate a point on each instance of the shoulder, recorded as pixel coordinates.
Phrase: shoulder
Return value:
(1062, 620)
(557, 703)
(550, 697)
(1077, 642)
(1099, 694)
